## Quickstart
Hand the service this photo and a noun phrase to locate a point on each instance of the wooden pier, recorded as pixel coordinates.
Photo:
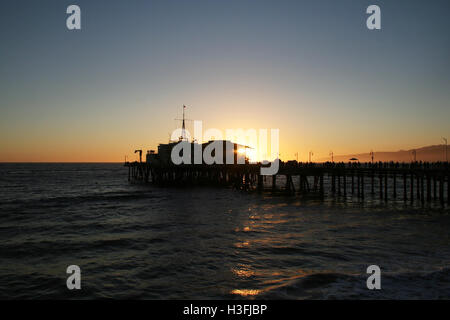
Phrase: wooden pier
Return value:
(410, 182)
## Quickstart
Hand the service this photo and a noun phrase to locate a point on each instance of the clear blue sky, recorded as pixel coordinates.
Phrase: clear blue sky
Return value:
(310, 68)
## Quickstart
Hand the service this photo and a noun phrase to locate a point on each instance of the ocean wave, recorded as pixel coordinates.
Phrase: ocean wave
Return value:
(58, 248)
(69, 200)
(330, 285)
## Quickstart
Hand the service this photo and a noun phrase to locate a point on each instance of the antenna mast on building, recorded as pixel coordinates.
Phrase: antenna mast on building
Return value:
(183, 127)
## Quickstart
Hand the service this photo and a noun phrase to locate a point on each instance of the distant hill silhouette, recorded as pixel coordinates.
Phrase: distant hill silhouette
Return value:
(429, 153)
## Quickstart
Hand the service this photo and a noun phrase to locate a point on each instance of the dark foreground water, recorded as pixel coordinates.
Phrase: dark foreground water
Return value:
(135, 241)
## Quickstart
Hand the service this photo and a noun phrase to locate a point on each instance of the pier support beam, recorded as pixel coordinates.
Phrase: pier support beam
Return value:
(339, 184)
(362, 185)
(381, 185)
(418, 186)
(422, 189)
(345, 185)
(353, 185)
(448, 189)
(372, 188)
(321, 189)
(386, 186)
(333, 183)
(434, 187)
(405, 197)
(394, 177)
(358, 179)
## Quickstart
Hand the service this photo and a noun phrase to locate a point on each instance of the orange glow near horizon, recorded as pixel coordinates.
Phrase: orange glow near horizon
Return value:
(115, 148)
(117, 137)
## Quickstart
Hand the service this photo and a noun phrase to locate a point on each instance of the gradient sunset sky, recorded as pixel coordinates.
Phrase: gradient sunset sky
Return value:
(310, 68)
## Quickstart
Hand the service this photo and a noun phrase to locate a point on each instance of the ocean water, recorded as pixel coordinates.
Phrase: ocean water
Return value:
(136, 241)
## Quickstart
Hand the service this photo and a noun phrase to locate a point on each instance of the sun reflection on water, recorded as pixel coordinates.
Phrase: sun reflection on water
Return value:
(245, 292)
